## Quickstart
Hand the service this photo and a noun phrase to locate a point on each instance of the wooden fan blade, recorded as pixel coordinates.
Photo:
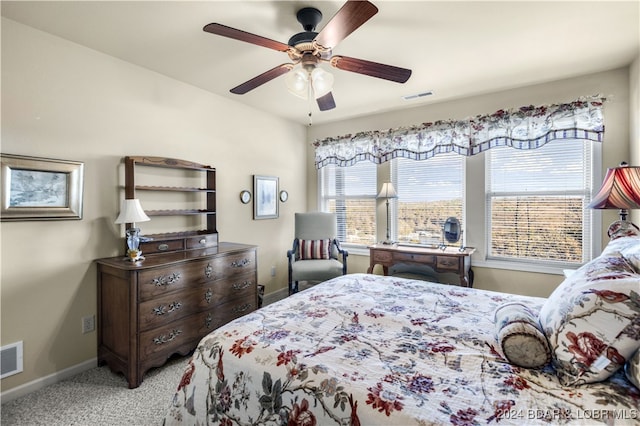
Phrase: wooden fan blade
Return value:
(349, 18)
(261, 79)
(373, 69)
(235, 34)
(326, 102)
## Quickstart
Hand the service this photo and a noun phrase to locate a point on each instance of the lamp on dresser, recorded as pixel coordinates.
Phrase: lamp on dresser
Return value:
(132, 212)
(387, 192)
(620, 190)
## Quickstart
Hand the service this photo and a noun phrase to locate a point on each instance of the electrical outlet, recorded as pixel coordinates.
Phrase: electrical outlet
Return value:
(273, 271)
(88, 324)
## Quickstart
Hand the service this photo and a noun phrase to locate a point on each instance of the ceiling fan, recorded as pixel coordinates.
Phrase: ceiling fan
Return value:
(309, 48)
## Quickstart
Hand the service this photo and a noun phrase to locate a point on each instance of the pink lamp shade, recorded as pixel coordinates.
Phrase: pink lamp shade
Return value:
(620, 190)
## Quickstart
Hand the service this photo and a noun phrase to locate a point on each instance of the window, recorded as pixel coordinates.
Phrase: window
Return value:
(429, 191)
(536, 203)
(350, 192)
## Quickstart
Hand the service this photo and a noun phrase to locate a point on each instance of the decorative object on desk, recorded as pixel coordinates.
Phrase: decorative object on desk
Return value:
(40, 188)
(451, 233)
(620, 190)
(284, 196)
(387, 192)
(131, 212)
(245, 196)
(265, 201)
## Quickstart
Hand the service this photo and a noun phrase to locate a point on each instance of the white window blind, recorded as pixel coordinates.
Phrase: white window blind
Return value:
(429, 191)
(350, 192)
(537, 203)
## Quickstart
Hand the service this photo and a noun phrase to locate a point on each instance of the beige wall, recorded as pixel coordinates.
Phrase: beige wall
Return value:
(612, 84)
(61, 100)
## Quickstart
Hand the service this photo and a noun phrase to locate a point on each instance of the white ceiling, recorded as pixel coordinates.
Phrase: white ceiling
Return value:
(455, 48)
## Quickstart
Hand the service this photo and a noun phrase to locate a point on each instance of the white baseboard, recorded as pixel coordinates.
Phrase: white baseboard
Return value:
(42, 382)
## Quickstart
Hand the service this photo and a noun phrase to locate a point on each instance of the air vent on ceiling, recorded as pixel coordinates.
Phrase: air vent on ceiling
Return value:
(418, 95)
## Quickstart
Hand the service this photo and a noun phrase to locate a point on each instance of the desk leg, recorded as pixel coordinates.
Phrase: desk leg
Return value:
(385, 269)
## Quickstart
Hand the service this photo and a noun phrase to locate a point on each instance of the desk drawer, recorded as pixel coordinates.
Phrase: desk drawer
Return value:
(448, 263)
(382, 256)
(426, 259)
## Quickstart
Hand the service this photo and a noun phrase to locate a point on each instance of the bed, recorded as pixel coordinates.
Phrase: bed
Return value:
(371, 350)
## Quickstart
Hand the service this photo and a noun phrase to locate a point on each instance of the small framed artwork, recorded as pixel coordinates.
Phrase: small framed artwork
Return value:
(265, 197)
(40, 188)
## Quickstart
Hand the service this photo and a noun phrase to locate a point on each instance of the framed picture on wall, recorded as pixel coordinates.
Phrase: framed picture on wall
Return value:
(40, 188)
(265, 197)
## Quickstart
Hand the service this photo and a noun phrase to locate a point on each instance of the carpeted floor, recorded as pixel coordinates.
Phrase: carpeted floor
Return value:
(98, 397)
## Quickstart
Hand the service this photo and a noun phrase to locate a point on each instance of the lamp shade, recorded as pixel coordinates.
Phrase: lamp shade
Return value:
(387, 191)
(131, 212)
(298, 83)
(321, 81)
(620, 189)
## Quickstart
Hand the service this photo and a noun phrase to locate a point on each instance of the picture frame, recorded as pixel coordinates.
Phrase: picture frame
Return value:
(265, 197)
(36, 188)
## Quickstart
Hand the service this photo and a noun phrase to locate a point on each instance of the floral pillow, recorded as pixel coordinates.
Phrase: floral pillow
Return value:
(519, 336)
(592, 320)
(632, 369)
(314, 249)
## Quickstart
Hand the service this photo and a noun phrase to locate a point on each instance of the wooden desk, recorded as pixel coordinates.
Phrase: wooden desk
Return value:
(449, 260)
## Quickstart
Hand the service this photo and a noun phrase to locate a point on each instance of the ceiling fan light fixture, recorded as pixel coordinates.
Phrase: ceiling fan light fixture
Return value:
(298, 83)
(321, 81)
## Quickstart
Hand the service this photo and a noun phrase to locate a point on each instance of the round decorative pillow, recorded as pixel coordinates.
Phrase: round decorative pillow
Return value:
(520, 337)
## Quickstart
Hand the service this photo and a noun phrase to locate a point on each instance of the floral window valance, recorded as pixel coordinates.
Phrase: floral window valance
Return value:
(527, 127)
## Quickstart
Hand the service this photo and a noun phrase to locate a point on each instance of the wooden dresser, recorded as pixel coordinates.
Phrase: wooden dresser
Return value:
(149, 310)
(188, 285)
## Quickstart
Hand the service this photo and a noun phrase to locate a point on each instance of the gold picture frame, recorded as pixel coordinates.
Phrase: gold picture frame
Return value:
(36, 188)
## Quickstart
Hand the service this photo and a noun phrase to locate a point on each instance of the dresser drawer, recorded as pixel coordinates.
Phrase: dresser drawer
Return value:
(426, 259)
(158, 281)
(448, 263)
(233, 309)
(233, 265)
(168, 338)
(202, 241)
(151, 247)
(156, 312)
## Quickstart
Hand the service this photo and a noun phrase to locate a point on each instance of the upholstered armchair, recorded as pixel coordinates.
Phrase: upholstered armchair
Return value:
(316, 254)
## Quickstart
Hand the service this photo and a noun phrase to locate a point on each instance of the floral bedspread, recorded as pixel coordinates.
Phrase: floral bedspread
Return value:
(370, 350)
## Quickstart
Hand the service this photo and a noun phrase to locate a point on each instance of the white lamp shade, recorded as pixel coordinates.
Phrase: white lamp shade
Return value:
(321, 81)
(297, 82)
(131, 212)
(387, 191)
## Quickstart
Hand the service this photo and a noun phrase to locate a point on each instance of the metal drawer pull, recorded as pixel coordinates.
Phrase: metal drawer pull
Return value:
(166, 279)
(164, 339)
(243, 308)
(208, 271)
(208, 321)
(207, 295)
(162, 309)
(241, 286)
(240, 264)
(163, 247)
(203, 241)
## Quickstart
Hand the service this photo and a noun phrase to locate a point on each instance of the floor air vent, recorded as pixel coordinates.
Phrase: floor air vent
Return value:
(11, 359)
